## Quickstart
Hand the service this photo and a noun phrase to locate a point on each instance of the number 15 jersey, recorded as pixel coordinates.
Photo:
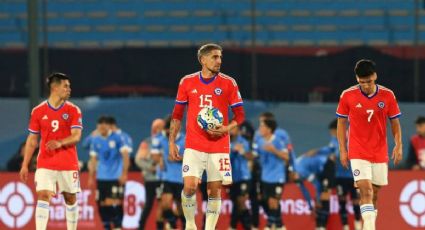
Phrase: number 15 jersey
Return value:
(220, 92)
(56, 124)
(367, 116)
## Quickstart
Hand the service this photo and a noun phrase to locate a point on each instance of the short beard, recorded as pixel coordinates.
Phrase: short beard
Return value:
(213, 71)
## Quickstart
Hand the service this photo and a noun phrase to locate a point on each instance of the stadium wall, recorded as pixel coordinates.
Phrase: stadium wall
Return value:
(284, 74)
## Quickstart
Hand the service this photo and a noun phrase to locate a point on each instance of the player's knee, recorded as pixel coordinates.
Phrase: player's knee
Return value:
(70, 199)
(44, 195)
(189, 189)
(366, 194)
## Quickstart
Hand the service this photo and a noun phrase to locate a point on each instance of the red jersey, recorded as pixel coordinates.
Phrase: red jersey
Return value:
(418, 144)
(56, 124)
(367, 116)
(220, 92)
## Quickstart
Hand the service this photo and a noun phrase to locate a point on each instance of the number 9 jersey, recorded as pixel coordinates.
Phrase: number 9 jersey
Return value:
(221, 92)
(367, 116)
(56, 124)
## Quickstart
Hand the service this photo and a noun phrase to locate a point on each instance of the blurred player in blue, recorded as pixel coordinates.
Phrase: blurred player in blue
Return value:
(172, 175)
(273, 154)
(240, 153)
(151, 174)
(318, 167)
(344, 184)
(109, 160)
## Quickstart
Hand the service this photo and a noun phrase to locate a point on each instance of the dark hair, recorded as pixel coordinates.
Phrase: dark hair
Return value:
(167, 121)
(333, 124)
(55, 78)
(420, 120)
(103, 119)
(207, 48)
(267, 115)
(271, 123)
(364, 68)
(111, 120)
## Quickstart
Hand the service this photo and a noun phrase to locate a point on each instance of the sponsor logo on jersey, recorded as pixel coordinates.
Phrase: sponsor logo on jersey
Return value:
(194, 91)
(381, 104)
(44, 117)
(356, 172)
(65, 116)
(227, 174)
(358, 105)
(218, 91)
(112, 144)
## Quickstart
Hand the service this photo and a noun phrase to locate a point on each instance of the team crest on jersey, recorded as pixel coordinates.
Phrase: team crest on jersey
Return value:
(185, 168)
(112, 144)
(381, 104)
(65, 116)
(356, 172)
(218, 91)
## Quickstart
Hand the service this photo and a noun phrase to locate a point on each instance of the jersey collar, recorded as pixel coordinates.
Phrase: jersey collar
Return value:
(55, 109)
(371, 96)
(206, 81)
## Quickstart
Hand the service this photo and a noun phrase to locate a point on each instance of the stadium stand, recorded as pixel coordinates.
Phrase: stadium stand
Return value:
(76, 23)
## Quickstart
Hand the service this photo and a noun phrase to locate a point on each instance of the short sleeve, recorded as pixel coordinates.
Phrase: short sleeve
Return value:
(93, 151)
(181, 92)
(77, 118)
(126, 143)
(155, 146)
(343, 108)
(34, 125)
(255, 148)
(393, 109)
(235, 98)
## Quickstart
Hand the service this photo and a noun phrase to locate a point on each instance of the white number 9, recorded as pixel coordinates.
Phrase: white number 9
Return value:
(55, 125)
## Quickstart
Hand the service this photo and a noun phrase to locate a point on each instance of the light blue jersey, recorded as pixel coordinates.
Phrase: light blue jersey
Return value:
(283, 135)
(172, 169)
(273, 167)
(126, 139)
(239, 162)
(108, 153)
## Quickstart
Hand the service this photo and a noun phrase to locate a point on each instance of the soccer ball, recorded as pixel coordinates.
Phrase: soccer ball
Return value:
(209, 118)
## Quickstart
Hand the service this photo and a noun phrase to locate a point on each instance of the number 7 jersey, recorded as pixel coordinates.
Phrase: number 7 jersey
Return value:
(56, 124)
(367, 116)
(220, 92)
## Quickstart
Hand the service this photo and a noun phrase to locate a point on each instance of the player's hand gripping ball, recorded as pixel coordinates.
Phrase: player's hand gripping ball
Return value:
(209, 118)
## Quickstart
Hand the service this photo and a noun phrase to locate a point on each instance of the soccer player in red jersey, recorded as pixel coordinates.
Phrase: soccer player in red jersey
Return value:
(205, 150)
(59, 123)
(366, 107)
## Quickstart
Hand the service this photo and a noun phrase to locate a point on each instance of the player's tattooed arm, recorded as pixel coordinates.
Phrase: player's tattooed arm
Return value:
(174, 130)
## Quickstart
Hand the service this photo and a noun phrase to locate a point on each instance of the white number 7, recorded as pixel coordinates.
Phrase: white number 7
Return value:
(370, 112)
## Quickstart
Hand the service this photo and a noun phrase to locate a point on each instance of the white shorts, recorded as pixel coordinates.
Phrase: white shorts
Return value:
(67, 181)
(365, 170)
(217, 165)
